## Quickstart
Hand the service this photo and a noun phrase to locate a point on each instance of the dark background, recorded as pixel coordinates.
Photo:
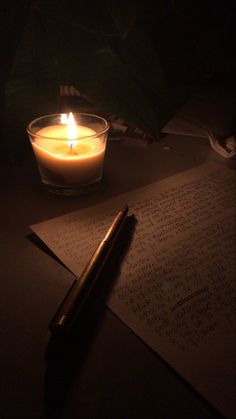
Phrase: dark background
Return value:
(198, 38)
(148, 54)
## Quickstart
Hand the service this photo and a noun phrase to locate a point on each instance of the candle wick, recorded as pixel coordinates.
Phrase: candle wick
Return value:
(72, 151)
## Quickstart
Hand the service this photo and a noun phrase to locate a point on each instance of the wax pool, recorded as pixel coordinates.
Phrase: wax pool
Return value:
(76, 161)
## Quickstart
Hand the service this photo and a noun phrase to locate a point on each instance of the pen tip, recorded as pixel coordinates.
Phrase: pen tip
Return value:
(125, 209)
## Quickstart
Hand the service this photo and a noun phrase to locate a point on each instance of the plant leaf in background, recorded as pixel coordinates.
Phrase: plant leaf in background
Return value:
(137, 51)
(85, 41)
(99, 48)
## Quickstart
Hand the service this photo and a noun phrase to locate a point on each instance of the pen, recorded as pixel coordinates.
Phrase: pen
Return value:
(80, 289)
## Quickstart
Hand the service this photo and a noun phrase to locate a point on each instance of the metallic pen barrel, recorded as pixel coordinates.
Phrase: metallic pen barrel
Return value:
(80, 290)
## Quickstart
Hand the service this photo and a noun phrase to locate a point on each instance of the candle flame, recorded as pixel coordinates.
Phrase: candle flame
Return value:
(71, 128)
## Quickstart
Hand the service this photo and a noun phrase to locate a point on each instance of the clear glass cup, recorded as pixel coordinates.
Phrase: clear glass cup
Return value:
(69, 154)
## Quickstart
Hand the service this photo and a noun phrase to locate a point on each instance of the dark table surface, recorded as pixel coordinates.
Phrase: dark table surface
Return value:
(108, 372)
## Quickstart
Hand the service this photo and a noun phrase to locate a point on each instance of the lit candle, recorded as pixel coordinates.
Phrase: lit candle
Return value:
(68, 153)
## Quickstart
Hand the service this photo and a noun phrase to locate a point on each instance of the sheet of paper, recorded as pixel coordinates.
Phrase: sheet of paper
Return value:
(176, 287)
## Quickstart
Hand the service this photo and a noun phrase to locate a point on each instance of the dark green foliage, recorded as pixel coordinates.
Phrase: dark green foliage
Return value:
(101, 50)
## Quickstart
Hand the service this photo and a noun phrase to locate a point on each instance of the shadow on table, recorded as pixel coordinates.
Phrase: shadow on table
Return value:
(65, 356)
(42, 246)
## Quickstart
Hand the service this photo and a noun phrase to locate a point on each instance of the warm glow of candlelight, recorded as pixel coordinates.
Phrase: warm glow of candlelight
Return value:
(70, 150)
(63, 118)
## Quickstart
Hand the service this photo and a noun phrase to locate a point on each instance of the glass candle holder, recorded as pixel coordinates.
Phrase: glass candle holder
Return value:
(69, 151)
